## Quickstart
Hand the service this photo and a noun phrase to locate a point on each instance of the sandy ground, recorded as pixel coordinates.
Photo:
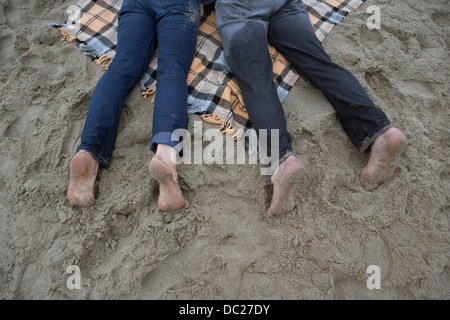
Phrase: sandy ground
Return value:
(224, 247)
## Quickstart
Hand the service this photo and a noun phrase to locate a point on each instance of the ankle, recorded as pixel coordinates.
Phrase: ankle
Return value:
(167, 153)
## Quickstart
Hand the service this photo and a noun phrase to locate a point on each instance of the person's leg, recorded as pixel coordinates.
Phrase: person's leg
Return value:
(243, 32)
(163, 169)
(284, 181)
(135, 45)
(291, 32)
(384, 155)
(177, 36)
(83, 171)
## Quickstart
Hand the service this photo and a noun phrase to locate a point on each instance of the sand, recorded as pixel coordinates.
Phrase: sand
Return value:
(223, 246)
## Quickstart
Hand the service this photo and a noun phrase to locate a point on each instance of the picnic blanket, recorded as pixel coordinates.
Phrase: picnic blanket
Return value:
(213, 91)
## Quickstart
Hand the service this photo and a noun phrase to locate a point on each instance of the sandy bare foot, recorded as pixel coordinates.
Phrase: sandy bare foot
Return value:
(386, 149)
(284, 180)
(170, 195)
(83, 171)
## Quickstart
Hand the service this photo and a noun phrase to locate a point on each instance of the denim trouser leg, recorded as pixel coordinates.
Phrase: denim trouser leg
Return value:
(245, 28)
(291, 32)
(177, 34)
(136, 42)
(140, 21)
(245, 45)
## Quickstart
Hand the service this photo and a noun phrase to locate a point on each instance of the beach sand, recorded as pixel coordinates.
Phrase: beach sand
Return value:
(223, 246)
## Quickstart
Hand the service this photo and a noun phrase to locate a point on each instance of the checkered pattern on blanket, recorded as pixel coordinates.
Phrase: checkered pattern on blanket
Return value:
(212, 87)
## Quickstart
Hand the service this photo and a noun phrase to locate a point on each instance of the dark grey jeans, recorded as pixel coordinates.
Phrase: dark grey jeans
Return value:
(246, 27)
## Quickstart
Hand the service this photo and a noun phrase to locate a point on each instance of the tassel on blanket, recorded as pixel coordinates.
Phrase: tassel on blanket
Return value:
(67, 36)
(237, 136)
(225, 127)
(104, 61)
(212, 118)
(149, 92)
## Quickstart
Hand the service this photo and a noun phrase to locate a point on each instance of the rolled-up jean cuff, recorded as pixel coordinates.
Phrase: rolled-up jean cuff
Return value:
(285, 154)
(166, 138)
(366, 144)
(102, 162)
(275, 163)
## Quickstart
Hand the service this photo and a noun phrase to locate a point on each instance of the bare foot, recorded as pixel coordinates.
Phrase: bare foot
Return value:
(83, 171)
(170, 195)
(386, 149)
(284, 180)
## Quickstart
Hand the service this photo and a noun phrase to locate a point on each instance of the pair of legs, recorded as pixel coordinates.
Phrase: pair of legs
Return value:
(246, 27)
(144, 25)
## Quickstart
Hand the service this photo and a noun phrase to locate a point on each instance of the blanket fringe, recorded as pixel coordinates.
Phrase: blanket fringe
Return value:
(212, 118)
(149, 92)
(104, 61)
(67, 36)
(237, 136)
(225, 127)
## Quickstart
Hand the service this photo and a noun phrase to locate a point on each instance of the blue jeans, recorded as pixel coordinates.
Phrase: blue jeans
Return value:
(247, 26)
(144, 25)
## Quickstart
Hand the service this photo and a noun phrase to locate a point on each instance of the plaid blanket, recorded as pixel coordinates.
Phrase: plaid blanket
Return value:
(213, 91)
